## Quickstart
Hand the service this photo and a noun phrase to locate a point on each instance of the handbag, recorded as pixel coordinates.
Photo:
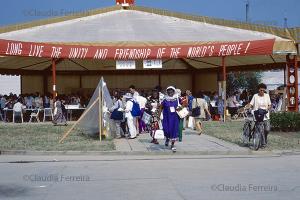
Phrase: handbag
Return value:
(183, 112)
(146, 118)
(117, 115)
(159, 134)
(191, 122)
(196, 111)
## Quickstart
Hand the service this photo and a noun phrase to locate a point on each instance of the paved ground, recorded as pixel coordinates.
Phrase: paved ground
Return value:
(150, 177)
(192, 143)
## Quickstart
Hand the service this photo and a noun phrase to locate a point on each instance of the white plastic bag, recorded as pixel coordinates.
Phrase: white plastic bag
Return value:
(159, 134)
(191, 122)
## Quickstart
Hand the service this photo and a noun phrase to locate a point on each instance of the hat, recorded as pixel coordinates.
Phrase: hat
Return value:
(128, 96)
(171, 88)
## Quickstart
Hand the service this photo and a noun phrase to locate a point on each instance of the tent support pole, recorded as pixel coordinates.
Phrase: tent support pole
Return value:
(224, 87)
(193, 83)
(54, 78)
(82, 116)
(296, 83)
(159, 80)
(100, 111)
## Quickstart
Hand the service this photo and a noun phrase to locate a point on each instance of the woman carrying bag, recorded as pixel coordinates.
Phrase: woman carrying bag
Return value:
(152, 108)
(170, 120)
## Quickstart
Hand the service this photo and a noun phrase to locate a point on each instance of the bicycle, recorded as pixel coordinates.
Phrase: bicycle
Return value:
(252, 135)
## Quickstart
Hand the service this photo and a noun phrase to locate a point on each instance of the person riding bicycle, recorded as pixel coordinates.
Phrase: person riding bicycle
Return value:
(261, 102)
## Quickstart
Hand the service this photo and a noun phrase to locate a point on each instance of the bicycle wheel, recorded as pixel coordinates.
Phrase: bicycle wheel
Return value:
(257, 136)
(246, 133)
(256, 140)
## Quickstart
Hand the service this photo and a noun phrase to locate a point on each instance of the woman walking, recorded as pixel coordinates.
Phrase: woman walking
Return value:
(59, 117)
(152, 108)
(170, 117)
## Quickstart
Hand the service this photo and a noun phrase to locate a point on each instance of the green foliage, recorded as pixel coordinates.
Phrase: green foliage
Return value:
(285, 121)
(243, 80)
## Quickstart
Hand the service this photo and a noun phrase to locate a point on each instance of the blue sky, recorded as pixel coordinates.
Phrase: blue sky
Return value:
(268, 12)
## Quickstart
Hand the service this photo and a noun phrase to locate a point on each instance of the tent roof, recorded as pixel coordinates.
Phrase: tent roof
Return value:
(285, 33)
(142, 26)
(133, 26)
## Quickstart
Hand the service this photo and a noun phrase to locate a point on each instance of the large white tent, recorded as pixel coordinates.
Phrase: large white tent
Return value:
(195, 48)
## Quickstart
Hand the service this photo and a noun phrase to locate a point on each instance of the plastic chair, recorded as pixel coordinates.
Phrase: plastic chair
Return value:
(17, 114)
(48, 113)
(35, 115)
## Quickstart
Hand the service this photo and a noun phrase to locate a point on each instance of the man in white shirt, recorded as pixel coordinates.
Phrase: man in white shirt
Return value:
(18, 109)
(131, 121)
(262, 100)
(134, 93)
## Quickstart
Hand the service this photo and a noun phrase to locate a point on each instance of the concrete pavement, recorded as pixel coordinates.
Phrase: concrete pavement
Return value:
(150, 177)
(192, 143)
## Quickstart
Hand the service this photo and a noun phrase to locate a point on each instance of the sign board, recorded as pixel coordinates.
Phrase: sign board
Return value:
(125, 64)
(104, 52)
(129, 2)
(152, 64)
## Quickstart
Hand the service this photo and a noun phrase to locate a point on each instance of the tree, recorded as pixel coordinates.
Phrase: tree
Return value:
(242, 80)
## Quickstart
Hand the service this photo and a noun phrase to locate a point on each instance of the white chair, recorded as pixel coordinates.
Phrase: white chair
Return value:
(19, 114)
(35, 115)
(48, 113)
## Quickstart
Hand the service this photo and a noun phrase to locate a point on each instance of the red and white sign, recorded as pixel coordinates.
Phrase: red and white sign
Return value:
(147, 52)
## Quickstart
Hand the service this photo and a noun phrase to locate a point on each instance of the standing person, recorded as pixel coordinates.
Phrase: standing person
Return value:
(46, 101)
(170, 117)
(220, 104)
(190, 98)
(200, 102)
(59, 117)
(141, 124)
(2, 105)
(18, 109)
(152, 108)
(184, 103)
(131, 121)
(117, 114)
(133, 92)
(232, 105)
(262, 100)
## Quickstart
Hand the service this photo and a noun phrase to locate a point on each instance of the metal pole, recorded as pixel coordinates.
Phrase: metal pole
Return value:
(54, 78)
(247, 11)
(224, 87)
(100, 110)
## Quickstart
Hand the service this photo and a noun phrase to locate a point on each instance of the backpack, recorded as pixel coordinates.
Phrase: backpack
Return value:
(136, 110)
(196, 111)
(117, 115)
(260, 115)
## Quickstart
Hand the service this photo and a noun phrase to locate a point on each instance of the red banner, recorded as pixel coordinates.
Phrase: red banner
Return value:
(46, 50)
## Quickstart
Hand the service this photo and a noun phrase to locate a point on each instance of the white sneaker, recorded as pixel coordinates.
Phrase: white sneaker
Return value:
(174, 149)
